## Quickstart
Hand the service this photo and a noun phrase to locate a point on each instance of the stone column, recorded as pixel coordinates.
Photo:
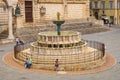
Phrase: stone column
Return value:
(10, 36)
(116, 12)
(46, 38)
(98, 4)
(93, 5)
(65, 8)
(91, 12)
(88, 8)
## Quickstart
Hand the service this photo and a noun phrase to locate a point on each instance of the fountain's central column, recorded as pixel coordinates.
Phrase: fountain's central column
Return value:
(58, 22)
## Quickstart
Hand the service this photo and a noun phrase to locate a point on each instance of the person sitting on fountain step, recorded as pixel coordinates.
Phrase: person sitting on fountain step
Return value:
(56, 65)
(30, 62)
(27, 65)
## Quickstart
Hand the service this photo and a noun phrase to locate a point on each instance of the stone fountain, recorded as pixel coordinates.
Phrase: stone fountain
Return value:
(66, 46)
(58, 22)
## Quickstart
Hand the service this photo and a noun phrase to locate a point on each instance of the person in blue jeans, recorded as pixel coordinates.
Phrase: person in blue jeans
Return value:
(17, 41)
(27, 65)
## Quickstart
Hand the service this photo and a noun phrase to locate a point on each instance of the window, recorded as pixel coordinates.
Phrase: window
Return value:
(118, 5)
(103, 5)
(96, 5)
(90, 5)
(111, 4)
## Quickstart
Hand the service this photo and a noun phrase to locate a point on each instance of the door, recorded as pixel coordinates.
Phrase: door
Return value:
(28, 11)
(96, 15)
(112, 19)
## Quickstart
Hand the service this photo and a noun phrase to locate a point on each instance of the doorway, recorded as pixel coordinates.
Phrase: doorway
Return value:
(112, 19)
(28, 11)
(96, 15)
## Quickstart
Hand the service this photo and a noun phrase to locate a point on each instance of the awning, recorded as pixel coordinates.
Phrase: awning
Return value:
(106, 18)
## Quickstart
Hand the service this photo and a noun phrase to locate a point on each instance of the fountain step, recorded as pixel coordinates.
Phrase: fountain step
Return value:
(67, 59)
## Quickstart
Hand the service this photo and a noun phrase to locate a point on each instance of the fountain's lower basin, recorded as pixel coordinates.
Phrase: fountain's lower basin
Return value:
(68, 61)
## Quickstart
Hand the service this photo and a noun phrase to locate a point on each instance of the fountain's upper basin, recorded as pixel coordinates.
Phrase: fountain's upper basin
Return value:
(65, 37)
(63, 33)
(58, 22)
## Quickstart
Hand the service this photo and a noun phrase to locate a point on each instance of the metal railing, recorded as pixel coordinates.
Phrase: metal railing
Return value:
(97, 53)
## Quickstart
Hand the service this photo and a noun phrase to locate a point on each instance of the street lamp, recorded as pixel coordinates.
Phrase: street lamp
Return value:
(17, 10)
(42, 10)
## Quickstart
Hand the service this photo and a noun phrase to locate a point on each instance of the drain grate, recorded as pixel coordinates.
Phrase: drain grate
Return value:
(1, 50)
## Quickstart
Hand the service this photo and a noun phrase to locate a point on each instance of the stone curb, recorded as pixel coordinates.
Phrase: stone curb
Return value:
(6, 41)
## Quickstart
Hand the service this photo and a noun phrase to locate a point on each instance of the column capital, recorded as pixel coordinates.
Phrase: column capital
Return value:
(11, 2)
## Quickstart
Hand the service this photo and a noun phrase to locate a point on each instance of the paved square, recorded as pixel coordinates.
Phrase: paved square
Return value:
(110, 38)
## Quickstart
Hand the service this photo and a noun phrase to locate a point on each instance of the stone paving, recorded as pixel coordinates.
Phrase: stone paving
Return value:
(110, 38)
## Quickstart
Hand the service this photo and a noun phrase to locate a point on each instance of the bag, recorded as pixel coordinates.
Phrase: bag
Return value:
(21, 42)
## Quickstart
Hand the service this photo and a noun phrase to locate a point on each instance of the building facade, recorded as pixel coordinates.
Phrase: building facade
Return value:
(35, 11)
(42, 10)
(107, 9)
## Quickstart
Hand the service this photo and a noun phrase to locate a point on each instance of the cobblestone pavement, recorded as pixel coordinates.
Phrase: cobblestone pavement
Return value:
(111, 40)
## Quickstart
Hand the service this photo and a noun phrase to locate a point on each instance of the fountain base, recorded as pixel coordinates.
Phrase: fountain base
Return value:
(73, 53)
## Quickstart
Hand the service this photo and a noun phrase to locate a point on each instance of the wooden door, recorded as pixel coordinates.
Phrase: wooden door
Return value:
(28, 11)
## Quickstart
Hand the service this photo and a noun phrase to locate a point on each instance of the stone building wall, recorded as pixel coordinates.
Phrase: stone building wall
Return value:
(113, 13)
(77, 11)
(51, 11)
(74, 11)
(69, 11)
(3, 13)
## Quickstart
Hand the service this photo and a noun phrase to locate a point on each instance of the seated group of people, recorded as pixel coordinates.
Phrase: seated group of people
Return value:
(28, 63)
